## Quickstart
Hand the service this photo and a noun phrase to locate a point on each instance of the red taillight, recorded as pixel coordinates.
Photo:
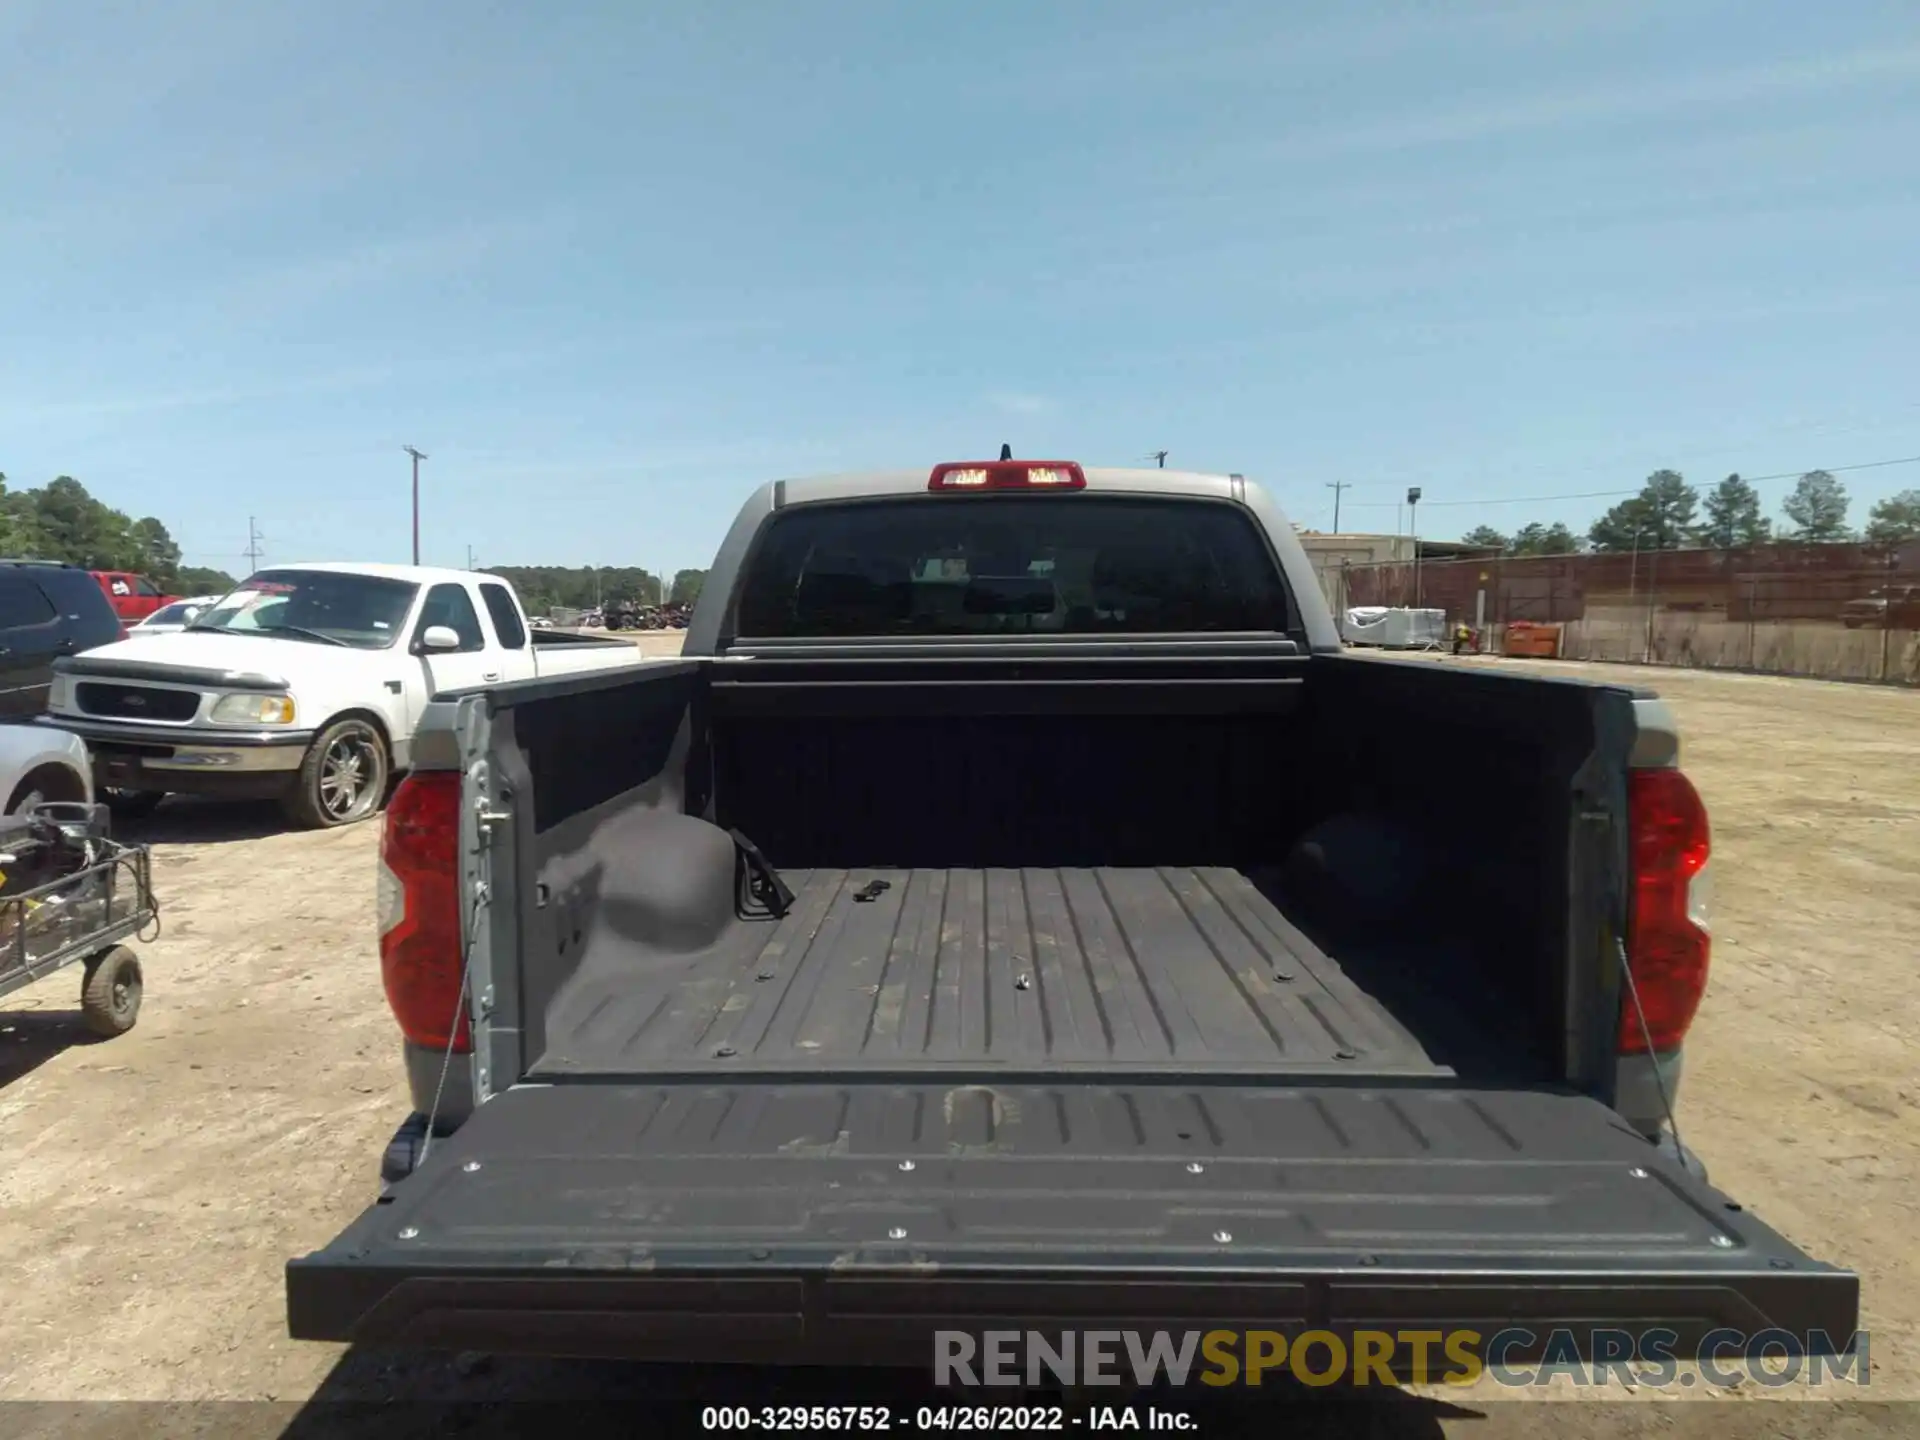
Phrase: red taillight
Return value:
(1008, 475)
(1667, 940)
(421, 957)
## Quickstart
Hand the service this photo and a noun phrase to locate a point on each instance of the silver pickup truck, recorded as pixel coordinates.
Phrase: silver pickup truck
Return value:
(1016, 905)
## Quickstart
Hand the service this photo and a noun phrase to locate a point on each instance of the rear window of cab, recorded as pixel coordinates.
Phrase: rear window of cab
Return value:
(1009, 564)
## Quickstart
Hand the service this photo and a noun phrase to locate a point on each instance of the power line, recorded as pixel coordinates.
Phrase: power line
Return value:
(1508, 500)
(1694, 450)
(1837, 469)
(1614, 494)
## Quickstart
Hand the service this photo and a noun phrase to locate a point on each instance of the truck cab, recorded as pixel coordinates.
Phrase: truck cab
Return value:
(133, 596)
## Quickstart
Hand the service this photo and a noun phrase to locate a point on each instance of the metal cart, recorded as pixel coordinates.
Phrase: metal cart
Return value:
(71, 893)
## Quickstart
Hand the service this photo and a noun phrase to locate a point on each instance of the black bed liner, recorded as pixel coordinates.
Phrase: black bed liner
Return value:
(847, 1223)
(1059, 972)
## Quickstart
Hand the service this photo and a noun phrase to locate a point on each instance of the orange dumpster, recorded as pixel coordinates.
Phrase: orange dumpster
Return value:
(1526, 640)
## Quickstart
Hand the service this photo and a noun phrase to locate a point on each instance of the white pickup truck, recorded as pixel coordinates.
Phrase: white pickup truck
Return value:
(303, 685)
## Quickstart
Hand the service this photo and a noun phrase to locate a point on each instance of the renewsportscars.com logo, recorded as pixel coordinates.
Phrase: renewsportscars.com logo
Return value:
(1514, 1357)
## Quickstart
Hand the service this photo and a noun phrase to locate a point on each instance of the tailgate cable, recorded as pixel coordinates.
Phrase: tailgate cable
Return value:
(1646, 1038)
(763, 882)
(453, 1030)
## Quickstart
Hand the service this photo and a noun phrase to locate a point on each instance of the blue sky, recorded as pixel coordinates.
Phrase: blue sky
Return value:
(613, 264)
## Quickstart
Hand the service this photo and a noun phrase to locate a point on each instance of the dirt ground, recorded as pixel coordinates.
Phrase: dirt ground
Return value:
(153, 1186)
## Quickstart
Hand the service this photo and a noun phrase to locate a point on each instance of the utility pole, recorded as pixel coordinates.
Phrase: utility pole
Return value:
(1413, 519)
(417, 458)
(1336, 486)
(1653, 593)
(254, 538)
(470, 557)
(1886, 615)
(1159, 457)
(1633, 565)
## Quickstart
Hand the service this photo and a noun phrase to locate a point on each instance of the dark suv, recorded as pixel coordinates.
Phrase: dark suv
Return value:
(47, 610)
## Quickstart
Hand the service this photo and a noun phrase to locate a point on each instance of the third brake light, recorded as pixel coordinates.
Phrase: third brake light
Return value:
(1008, 475)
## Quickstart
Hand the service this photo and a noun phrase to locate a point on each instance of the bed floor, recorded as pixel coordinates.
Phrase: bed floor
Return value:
(1123, 972)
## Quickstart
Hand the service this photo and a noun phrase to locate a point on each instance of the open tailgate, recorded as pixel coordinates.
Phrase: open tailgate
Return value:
(846, 1223)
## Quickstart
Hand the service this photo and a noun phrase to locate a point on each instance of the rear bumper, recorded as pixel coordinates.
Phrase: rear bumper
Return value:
(814, 1224)
(188, 762)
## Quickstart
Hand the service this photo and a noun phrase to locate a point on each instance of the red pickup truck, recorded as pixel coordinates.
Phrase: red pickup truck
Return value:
(133, 597)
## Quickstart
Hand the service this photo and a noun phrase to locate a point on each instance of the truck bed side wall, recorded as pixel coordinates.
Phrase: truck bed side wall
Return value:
(588, 765)
(1519, 785)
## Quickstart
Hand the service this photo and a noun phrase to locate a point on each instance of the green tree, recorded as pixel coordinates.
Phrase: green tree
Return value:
(686, 586)
(1537, 539)
(201, 580)
(1733, 516)
(579, 587)
(159, 554)
(63, 521)
(76, 528)
(1485, 535)
(1818, 508)
(1895, 520)
(1660, 517)
(1627, 526)
(20, 520)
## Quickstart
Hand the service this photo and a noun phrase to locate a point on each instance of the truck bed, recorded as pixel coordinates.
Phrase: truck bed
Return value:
(1048, 972)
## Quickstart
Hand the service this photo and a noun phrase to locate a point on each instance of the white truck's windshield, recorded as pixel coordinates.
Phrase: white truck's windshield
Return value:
(328, 607)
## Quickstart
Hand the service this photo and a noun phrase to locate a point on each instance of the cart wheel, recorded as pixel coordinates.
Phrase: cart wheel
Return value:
(110, 997)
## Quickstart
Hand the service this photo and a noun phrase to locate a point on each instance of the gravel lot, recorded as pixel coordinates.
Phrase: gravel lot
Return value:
(154, 1185)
